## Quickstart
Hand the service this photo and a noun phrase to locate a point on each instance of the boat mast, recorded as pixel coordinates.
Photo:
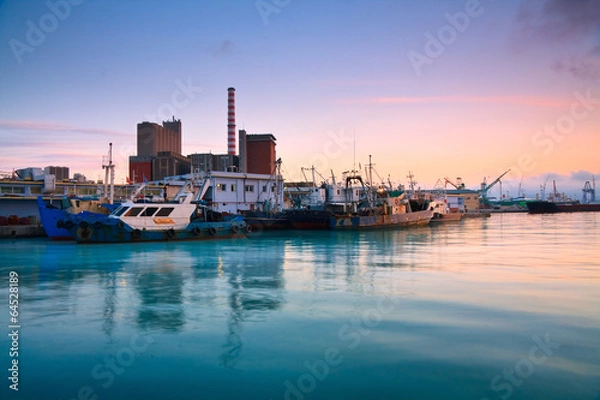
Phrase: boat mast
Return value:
(372, 192)
(277, 172)
(108, 165)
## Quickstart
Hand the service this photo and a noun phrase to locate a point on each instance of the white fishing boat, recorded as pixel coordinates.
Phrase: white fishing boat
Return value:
(184, 218)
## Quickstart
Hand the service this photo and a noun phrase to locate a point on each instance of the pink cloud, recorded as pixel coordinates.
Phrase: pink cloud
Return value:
(366, 82)
(515, 100)
(54, 127)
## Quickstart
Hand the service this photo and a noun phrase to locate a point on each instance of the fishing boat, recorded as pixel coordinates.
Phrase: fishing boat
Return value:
(381, 209)
(184, 218)
(307, 218)
(267, 220)
(443, 213)
(54, 211)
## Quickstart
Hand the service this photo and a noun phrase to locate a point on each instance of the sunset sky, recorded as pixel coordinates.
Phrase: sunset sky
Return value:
(439, 88)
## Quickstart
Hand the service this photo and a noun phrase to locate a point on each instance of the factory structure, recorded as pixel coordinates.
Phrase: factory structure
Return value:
(159, 151)
(234, 182)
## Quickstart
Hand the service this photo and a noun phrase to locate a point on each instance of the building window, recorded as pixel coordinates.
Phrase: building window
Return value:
(86, 191)
(13, 189)
(265, 188)
(233, 186)
(221, 187)
(249, 188)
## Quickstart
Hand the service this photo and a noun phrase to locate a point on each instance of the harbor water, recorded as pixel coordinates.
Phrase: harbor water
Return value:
(506, 307)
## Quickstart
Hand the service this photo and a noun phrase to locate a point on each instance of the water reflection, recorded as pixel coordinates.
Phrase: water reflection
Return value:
(109, 284)
(159, 282)
(360, 259)
(256, 287)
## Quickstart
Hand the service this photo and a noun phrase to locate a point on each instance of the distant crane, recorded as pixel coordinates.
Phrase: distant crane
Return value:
(485, 187)
(459, 185)
(589, 191)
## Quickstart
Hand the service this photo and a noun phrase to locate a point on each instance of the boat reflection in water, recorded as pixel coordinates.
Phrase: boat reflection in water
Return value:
(431, 312)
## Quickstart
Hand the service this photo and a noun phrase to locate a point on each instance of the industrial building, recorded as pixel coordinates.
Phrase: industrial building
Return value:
(61, 173)
(206, 162)
(159, 151)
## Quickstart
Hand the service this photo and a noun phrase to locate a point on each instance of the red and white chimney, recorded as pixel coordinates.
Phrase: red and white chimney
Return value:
(231, 121)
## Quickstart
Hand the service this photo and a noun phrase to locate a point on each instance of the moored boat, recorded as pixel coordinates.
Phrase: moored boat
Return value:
(182, 219)
(557, 203)
(306, 218)
(549, 207)
(443, 212)
(54, 211)
(266, 220)
(394, 220)
(381, 209)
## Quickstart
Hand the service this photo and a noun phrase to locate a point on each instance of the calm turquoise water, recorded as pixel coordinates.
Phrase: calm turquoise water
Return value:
(506, 307)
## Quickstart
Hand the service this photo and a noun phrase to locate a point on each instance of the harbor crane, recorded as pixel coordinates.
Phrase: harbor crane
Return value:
(459, 185)
(485, 187)
(589, 191)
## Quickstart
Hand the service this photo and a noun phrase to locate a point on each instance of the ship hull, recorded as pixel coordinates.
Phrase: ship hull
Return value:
(309, 219)
(449, 217)
(259, 220)
(84, 229)
(404, 220)
(53, 214)
(548, 207)
(50, 217)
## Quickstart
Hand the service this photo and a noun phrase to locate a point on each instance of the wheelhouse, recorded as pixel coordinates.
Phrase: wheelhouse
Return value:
(128, 210)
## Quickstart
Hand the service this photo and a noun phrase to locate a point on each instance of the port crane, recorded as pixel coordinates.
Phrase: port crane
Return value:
(485, 187)
(459, 185)
(589, 191)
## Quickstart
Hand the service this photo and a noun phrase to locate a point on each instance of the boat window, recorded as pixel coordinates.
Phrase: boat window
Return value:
(134, 212)
(164, 212)
(149, 211)
(119, 211)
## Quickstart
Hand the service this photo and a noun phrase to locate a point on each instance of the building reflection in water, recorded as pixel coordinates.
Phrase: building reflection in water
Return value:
(256, 287)
(109, 284)
(159, 282)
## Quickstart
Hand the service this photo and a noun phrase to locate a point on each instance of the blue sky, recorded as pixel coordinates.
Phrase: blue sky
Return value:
(491, 95)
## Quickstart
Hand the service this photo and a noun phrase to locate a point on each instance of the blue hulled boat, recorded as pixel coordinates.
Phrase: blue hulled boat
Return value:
(185, 218)
(54, 212)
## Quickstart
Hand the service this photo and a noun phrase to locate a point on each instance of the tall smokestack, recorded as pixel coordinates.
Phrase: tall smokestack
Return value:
(231, 121)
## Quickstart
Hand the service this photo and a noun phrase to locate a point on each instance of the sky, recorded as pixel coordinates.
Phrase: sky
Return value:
(447, 88)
